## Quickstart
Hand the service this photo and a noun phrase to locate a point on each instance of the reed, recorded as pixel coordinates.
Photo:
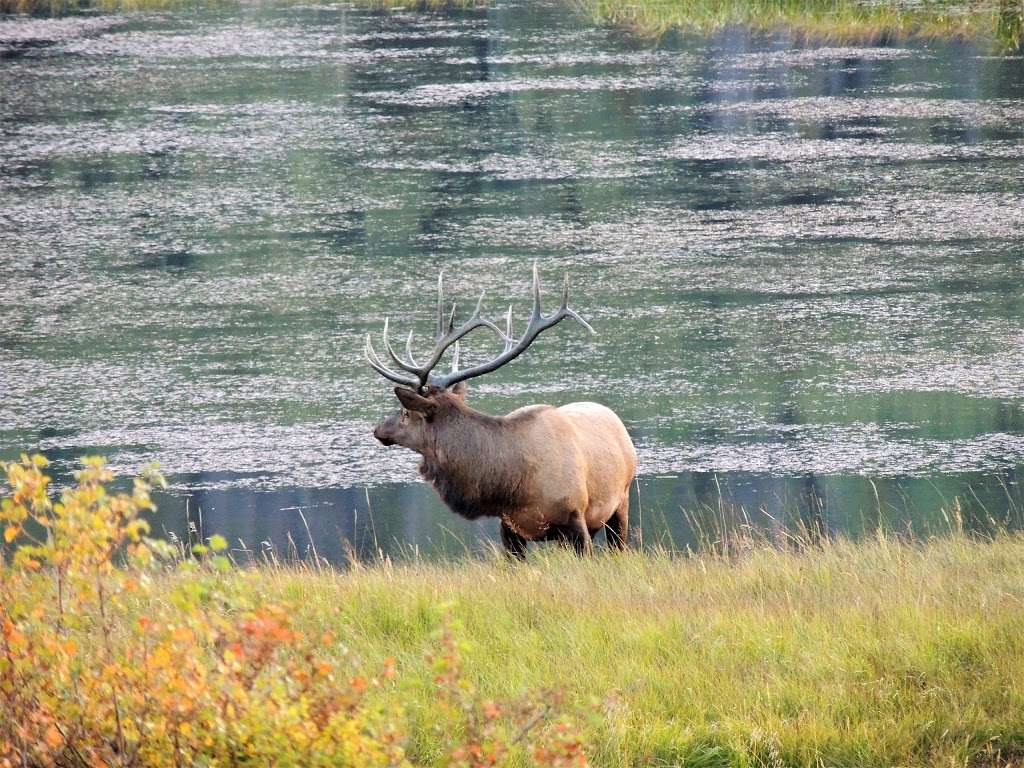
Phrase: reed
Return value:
(843, 21)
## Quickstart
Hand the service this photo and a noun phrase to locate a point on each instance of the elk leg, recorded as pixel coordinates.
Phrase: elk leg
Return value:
(580, 536)
(515, 545)
(560, 534)
(616, 530)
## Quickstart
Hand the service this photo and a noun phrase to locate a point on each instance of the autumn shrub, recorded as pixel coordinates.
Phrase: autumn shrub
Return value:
(104, 660)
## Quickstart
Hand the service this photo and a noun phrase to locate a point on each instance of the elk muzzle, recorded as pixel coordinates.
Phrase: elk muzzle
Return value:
(385, 431)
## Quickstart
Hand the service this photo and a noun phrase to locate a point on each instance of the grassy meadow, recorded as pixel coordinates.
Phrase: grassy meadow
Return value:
(873, 654)
(881, 652)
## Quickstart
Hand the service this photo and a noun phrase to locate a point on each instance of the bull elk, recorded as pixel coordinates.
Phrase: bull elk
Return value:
(548, 473)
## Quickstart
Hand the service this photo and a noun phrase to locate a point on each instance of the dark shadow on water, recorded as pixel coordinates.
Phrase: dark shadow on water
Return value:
(403, 521)
(172, 260)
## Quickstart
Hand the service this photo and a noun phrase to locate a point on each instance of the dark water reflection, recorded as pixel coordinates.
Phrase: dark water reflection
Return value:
(678, 512)
(805, 264)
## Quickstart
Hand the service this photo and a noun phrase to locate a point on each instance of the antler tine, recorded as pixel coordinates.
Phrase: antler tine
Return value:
(375, 362)
(576, 316)
(566, 310)
(440, 305)
(538, 324)
(451, 318)
(509, 341)
(410, 366)
(408, 348)
(536, 292)
(455, 357)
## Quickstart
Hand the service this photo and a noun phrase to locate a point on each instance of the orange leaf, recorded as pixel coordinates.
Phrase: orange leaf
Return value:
(53, 737)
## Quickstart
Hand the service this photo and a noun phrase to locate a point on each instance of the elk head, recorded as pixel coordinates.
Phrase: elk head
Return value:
(429, 398)
(413, 425)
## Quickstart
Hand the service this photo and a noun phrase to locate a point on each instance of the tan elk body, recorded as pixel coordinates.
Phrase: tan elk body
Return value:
(547, 473)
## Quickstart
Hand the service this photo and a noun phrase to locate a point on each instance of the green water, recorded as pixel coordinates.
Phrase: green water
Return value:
(804, 265)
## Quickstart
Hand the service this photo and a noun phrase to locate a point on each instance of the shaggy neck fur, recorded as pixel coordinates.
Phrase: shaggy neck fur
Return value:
(473, 463)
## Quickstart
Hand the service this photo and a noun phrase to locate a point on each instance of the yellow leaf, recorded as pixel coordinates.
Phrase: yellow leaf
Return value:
(10, 532)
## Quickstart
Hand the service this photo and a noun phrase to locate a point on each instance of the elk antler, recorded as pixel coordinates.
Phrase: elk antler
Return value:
(445, 337)
(423, 375)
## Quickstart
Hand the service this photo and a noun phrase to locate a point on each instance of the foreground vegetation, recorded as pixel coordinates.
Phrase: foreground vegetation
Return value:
(878, 653)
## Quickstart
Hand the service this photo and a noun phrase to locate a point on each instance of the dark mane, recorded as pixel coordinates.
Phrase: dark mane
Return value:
(469, 473)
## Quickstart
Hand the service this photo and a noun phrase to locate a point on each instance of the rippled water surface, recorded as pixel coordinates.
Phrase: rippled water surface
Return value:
(805, 265)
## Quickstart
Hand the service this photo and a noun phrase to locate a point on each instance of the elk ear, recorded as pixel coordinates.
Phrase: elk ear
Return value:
(414, 401)
(460, 390)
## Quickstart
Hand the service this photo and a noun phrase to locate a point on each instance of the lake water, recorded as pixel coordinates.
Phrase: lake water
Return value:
(805, 264)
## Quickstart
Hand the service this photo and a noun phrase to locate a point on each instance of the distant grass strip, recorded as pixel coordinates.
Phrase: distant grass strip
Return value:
(822, 20)
(880, 653)
(844, 21)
